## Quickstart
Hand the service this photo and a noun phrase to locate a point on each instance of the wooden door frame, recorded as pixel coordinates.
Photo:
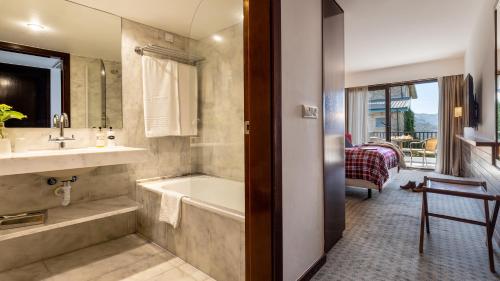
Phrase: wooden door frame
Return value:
(263, 170)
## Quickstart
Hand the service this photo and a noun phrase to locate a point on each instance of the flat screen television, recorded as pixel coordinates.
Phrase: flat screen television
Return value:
(471, 105)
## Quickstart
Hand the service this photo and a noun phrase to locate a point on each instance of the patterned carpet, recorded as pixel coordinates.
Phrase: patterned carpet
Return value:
(381, 239)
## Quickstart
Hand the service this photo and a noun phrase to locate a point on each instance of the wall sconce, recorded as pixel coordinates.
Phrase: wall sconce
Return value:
(458, 111)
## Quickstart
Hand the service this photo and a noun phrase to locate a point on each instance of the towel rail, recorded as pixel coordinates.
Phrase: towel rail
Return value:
(177, 55)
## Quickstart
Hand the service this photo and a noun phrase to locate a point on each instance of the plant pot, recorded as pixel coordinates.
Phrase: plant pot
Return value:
(5, 147)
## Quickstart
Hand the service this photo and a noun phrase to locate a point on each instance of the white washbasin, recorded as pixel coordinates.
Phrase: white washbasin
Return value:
(66, 174)
(68, 162)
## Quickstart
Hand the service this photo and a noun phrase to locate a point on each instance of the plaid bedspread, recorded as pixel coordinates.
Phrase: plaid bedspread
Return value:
(370, 165)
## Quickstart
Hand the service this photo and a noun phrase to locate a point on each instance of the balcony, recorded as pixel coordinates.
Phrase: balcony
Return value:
(414, 158)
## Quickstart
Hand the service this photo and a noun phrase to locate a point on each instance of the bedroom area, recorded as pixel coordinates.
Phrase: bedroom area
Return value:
(421, 142)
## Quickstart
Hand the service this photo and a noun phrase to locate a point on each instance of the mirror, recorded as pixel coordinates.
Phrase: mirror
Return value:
(57, 56)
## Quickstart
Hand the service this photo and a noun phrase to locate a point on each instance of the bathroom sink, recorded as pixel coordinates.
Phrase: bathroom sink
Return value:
(72, 162)
(66, 173)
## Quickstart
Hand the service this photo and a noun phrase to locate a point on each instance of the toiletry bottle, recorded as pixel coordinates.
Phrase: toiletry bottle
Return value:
(111, 140)
(100, 138)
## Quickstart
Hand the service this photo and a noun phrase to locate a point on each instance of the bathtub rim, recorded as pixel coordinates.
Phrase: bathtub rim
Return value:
(220, 210)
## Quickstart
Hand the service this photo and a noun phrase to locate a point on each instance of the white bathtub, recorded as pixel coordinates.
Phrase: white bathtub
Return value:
(225, 196)
(211, 233)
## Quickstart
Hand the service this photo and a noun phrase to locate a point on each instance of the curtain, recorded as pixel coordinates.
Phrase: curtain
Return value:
(357, 114)
(449, 147)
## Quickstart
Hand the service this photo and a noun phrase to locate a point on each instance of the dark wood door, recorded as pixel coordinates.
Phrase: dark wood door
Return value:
(334, 122)
(27, 89)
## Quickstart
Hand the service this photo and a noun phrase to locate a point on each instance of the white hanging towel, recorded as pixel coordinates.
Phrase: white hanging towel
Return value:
(170, 208)
(188, 97)
(161, 97)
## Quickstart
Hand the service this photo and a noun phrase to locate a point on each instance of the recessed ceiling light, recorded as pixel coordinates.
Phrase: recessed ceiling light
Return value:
(35, 26)
(4, 82)
(217, 38)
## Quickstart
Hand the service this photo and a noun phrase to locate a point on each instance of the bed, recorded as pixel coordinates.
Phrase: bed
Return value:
(371, 166)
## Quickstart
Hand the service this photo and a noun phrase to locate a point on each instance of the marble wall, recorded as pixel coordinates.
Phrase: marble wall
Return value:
(167, 156)
(221, 132)
(219, 148)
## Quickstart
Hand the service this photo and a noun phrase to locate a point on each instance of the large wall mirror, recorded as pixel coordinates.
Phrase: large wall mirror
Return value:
(58, 56)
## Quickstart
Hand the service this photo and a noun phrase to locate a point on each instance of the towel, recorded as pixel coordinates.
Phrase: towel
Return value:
(161, 97)
(170, 208)
(188, 98)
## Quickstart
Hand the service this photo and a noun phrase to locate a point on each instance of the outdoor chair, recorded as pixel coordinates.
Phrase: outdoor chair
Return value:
(425, 148)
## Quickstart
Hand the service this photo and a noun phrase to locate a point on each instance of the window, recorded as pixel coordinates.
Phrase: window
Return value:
(380, 122)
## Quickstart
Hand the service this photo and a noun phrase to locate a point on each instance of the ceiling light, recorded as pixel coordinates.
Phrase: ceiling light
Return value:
(35, 26)
(4, 82)
(217, 38)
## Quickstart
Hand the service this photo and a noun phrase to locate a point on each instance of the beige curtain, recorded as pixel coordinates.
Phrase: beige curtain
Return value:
(357, 114)
(449, 147)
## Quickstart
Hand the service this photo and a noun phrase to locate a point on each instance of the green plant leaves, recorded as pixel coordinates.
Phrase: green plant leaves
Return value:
(7, 113)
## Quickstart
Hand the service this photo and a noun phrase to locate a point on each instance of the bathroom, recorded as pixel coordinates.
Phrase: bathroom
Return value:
(123, 155)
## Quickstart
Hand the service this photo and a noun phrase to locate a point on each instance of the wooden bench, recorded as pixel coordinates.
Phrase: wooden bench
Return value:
(465, 189)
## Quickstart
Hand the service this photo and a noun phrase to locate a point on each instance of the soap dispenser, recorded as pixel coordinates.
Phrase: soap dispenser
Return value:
(100, 138)
(111, 139)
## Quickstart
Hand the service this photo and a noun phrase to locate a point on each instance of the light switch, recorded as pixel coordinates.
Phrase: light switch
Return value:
(309, 111)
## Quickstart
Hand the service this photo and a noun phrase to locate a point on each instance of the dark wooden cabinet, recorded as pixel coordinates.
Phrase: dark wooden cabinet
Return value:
(334, 122)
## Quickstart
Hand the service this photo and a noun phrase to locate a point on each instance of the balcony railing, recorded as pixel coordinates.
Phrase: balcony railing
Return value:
(416, 135)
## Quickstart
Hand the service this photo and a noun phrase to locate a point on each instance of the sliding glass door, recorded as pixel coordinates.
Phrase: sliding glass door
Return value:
(377, 114)
(406, 114)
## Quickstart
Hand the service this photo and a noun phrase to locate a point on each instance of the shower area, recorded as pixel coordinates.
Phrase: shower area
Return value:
(210, 233)
(95, 92)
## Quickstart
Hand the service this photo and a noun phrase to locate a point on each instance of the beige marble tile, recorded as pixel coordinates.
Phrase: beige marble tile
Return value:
(174, 274)
(219, 147)
(144, 269)
(128, 258)
(32, 272)
(101, 259)
(20, 252)
(34, 246)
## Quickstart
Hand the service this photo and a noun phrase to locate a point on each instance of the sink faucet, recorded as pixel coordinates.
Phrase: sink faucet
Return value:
(61, 122)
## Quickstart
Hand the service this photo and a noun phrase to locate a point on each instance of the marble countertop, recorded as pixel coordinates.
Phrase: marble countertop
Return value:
(75, 214)
(66, 159)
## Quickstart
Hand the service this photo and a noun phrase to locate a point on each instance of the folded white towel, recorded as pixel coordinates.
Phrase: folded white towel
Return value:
(170, 208)
(160, 83)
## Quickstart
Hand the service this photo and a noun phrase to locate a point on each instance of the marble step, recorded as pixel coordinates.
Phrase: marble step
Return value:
(68, 229)
(75, 214)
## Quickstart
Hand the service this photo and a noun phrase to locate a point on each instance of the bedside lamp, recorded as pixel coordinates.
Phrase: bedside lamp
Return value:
(458, 111)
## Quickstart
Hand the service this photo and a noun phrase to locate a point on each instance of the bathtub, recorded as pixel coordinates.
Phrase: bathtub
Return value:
(211, 232)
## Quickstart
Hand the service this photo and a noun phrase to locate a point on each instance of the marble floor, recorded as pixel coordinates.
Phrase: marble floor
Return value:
(129, 258)
(381, 238)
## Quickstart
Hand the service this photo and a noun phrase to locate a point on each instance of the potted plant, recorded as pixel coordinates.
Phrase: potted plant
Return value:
(6, 113)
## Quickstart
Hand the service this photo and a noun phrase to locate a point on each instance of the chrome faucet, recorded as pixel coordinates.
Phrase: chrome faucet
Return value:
(61, 122)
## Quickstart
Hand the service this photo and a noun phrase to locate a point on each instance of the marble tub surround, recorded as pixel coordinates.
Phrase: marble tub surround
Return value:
(219, 148)
(211, 241)
(128, 258)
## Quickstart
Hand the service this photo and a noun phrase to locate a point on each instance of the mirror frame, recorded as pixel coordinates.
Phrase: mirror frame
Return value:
(65, 57)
